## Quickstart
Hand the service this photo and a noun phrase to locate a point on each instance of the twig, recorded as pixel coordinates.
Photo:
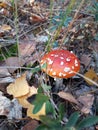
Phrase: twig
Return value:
(93, 82)
(15, 67)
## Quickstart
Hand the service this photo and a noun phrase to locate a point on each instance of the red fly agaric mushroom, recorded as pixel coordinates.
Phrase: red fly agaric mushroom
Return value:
(60, 64)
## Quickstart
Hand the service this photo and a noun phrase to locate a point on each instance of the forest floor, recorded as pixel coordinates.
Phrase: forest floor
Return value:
(28, 30)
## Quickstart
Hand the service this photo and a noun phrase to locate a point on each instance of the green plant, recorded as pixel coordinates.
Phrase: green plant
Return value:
(53, 120)
(94, 10)
(6, 52)
(74, 123)
(58, 21)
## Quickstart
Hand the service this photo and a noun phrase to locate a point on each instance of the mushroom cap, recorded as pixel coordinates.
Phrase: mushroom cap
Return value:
(60, 64)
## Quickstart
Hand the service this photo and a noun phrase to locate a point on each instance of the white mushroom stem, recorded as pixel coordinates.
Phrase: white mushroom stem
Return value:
(58, 83)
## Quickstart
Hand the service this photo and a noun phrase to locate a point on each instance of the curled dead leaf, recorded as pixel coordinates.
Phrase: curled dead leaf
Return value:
(19, 88)
(23, 99)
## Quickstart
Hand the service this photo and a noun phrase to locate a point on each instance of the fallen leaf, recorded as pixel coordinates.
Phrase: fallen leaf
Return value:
(23, 99)
(3, 4)
(5, 28)
(87, 102)
(36, 18)
(13, 63)
(3, 87)
(95, 47)
(32, 125)
(3, 70)
(19, 88)
(85, 59)
(37, 115)
(67, 96)
(91, 74)
(27, 48)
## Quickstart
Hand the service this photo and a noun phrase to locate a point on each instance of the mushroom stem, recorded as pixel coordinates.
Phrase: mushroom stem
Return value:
(58, 83)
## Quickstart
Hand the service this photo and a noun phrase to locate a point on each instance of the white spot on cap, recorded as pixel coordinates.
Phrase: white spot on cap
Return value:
(52, 54)
(66, 69)
(62, 63)
(73, 67)
(48, 59)
(76, 62)
(54, 73)
(50, 62)
(64, 74)
(67, 59)
(60, 74)
(55, 55)
(62, 58)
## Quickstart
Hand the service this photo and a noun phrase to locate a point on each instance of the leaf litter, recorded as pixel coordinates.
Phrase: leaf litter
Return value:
(34, 18)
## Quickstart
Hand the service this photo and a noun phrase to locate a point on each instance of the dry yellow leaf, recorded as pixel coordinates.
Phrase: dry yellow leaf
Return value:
(36, 116)
(91, 74)
(19, 88)
(5, 27)
(23, 99)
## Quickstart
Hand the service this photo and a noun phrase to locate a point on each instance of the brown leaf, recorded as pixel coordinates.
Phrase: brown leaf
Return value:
(27, 48)
(36, 18)
(67, 96)
(91, 74)
(3, 4)
(95, 46)
(5, 28)
(85, 59)
(13, 63)
(87, 102)
(3, 70)
(19, 88)
(3, 87)
(32, 125)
